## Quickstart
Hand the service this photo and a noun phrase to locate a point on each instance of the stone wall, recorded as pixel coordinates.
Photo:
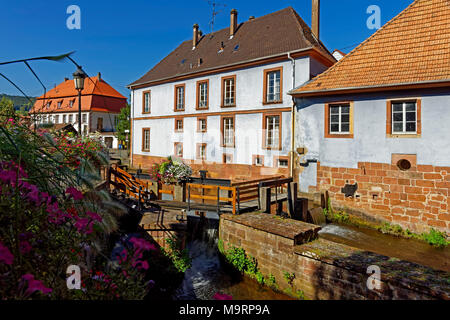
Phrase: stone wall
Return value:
(324, 269)
(416, 199)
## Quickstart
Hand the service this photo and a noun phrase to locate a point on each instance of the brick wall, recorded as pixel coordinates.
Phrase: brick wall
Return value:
(416, 199)
(328, 270)
(216, 170)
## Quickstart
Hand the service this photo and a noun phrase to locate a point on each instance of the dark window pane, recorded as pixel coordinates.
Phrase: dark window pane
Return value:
(334, 128)
(397, 107)
(411, 106)
(410, 116)
(345, 109)
(398, 127)
(334, 110)
(345, 127)
(398, 116)
(410, 127)
(334, 119)
(345, 118)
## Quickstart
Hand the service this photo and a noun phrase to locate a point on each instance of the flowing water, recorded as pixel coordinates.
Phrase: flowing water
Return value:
(388, 245)
(209, 274)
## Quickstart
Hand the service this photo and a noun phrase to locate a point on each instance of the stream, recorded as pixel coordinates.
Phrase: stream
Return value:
(210, 275)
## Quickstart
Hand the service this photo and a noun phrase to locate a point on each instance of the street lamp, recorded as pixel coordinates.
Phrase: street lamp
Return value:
(79, 77)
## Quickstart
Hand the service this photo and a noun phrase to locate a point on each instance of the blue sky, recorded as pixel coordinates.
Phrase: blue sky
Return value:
(124, 39)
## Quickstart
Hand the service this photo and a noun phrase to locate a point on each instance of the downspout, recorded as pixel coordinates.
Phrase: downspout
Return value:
(292, 118)
(131, 128)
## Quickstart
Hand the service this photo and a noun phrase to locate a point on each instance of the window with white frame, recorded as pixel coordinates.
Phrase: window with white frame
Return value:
(70, 118)
(56, 117)
(339, 119)
(203, 95)
(201, 151)
(64, 119)
(273, 86)
(146, 102)
(273, 131)
(404, 117)
(228, 132)
(179, 149)
(229, 92)
(202, 125)
(84, 118)
(179, 98)
(146, 139)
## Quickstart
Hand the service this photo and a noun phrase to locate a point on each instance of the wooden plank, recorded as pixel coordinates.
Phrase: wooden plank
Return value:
(255, 181)
(166, 191)
(212, 187)
(242, 199)
(193, 196)
(275, 183)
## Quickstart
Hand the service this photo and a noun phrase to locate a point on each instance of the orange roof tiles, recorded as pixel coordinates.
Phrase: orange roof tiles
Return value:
(97, 95)
(413, 48)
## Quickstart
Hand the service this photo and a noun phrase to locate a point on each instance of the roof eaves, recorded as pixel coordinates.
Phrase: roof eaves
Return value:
(130, 86)
(438, 83)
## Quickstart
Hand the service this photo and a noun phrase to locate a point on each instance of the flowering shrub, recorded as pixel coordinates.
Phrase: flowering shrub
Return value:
(51, 218)
(78, 148)
(171, 171)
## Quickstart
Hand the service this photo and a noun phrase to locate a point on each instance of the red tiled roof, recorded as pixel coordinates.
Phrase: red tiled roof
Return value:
(97, 95)
(412, 49)
(274, 34)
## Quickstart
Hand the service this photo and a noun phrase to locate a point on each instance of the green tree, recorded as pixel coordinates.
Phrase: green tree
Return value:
(123, 123)
(6, 108)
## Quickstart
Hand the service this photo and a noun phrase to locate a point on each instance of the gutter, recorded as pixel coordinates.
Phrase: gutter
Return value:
(396, 86)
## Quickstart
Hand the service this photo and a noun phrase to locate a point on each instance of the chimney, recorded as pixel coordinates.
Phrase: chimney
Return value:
(251, 18)
(233, 22)
(315, 18)
(66, 79)
(99, 76)
(195, 38)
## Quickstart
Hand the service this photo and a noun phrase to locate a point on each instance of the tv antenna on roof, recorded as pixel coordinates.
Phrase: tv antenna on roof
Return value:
(217, 8)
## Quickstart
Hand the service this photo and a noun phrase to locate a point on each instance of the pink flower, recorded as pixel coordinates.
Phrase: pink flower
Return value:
(220, 296)
(35, 285)
(141, 244)
(94, 216)
(76, 195)
(84, 225)
(25, 247)
(6, 255)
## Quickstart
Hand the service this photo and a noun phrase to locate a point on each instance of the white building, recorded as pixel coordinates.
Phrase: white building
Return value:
(377, 123)
(220, 101)
(100, 107)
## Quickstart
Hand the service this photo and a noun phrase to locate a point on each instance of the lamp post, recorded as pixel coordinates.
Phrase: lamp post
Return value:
(79, 77)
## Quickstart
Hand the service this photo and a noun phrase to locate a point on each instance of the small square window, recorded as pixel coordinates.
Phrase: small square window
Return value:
(179, 125)
(404, 117)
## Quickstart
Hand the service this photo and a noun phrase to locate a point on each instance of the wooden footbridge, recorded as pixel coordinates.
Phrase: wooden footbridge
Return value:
(203, 194)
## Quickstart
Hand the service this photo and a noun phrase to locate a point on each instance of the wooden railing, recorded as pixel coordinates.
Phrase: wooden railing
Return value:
(128, 184)
(217, 197)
